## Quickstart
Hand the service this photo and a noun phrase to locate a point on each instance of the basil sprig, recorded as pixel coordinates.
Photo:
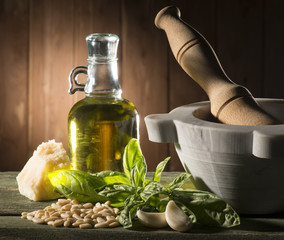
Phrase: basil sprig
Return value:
(131, 191)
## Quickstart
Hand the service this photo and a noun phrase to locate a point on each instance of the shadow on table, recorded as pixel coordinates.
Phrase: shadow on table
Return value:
(269, 223)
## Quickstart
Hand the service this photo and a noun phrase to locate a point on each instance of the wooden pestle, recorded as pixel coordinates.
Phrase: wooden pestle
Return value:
(230, 103)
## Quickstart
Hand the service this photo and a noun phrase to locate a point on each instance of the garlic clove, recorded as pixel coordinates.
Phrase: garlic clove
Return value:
(152, 219)
(176, 218)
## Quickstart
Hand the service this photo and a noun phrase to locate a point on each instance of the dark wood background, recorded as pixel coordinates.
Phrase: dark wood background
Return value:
(42, 40)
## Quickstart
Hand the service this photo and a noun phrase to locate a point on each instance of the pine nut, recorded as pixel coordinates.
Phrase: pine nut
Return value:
(77, 223)
(38, 220)
(100, 219)
(98, 209)
(63, 201)
(66, 207)
(88, 205)
(56, 214)
(75, 215)
(88, 220)
(101, 225)
(114, 224)
(51, 210)
(110, 221)
(77, 211)
(39, 215)
(106, 212)
(67, 223)
(77, 206)
(85, 226)
(72, 220)
(107, 203)
(74, 202)
(88, 216)
(90, 211)
(97, 215)
(54, 205)
(65, 215)
(66, 212)
(58, 223)
(116, 211)
(80, 221)
(110, 218)
(51, 219)
(50, 223)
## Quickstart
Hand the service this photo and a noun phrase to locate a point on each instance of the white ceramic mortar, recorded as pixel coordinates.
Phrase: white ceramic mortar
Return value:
(242, 164)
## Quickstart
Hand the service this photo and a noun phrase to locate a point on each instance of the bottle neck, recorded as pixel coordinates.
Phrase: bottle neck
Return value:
(103, 79)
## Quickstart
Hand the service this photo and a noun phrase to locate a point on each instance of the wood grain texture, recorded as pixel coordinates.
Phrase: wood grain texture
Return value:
(14, 45)
(9, 190)
(144, 70)
(93, 17)
(273, 49)
(13, 227)
(42, 40)
(51, 58)
(239, 32)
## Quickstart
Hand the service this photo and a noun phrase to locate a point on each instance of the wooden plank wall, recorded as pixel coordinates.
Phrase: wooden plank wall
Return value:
(42, 40)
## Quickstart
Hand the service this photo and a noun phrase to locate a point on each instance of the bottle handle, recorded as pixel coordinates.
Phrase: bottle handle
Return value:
(73, 79)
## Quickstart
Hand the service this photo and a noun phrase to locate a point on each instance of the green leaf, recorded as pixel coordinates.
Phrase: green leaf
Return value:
(111, 177)
(129, 211)
(77, 185)
(179, 181)
(160, 169)
(162, 204)
(117, 193)
(134, 163)
(152, 189)
(208, 208)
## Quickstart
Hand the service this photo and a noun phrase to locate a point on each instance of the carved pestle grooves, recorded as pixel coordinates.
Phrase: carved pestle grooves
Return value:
(230, 103)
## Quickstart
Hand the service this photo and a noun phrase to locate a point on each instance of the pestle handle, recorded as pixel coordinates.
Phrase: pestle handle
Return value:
(230, 103)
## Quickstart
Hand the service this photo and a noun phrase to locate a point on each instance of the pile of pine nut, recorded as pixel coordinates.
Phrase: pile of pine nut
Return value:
(70, 213)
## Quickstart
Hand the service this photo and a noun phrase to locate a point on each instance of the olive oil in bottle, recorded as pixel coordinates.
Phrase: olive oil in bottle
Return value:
(101, 124)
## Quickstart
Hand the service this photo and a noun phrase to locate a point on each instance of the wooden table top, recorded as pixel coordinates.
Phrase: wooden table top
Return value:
(13, 227)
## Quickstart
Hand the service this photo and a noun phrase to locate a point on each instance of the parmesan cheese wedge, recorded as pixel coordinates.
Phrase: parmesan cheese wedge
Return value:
(32, 181)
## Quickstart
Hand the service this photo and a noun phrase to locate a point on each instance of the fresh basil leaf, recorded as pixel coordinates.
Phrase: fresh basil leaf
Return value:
(179, 181)
(152, 189)
(162, 204)
(117, 194)
(76, 179)
(129, 211)
(77, 185)
(111, 177)
(160, 169)
(146, 182)
(208, 208)
(134, 163)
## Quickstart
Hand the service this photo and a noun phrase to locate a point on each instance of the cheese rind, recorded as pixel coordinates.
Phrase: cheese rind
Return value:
(33, 181)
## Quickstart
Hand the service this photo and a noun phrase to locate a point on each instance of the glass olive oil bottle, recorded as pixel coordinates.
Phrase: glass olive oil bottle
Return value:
(101, 124)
